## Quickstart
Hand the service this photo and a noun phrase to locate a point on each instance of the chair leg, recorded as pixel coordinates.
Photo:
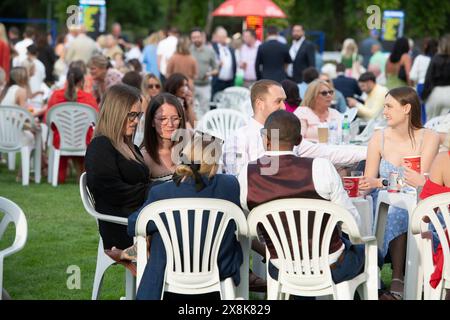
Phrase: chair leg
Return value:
(130, 285)
(55, 168)
(11, 161)
(344, 291)
(103, 263)
(273, 288)
(50, 165)
(227, 289)
(25, 154)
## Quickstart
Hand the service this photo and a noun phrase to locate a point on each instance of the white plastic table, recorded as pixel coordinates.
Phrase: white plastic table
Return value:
(407, 201)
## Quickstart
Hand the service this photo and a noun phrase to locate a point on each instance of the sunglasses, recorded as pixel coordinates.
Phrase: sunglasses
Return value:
(165, 121)
(156, 86)
(133, 115)
(326, 93)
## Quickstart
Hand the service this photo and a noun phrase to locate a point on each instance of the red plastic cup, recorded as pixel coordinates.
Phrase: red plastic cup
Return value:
(351, 185)
(412, 162)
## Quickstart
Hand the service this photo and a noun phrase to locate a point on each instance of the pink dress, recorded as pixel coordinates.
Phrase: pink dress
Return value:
(310, 121)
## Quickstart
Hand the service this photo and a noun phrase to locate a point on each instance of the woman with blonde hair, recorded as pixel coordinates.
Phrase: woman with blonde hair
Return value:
(150, 57)
(103, 75)
(116, 172)
(151, 87)
(16, 92)
(183, 62)
(195, 177)
(350, 58)
(316, 109)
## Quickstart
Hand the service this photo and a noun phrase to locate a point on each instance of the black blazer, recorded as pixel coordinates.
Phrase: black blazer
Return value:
(348, 86)
(119, 187)
(271, 59)
(305, 58)
(233, 59)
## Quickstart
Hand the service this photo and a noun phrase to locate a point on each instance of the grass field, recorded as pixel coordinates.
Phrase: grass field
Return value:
(60, 235)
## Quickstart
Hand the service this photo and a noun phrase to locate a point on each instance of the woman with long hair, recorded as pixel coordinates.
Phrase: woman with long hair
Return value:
(316, 109)
(404, 136)
(178, 85)
(73, 92)
(183, 62)
(163, 118)
(17, 91)
(398, 65)
(350, 58)
(116, 172)
(103, 74)
(293, 99)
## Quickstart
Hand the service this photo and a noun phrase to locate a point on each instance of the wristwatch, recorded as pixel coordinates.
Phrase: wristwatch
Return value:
(384, 182)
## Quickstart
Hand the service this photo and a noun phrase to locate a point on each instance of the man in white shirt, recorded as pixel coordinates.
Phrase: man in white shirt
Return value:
(166, 48)
(248, 56)
(246, 144)
(299, 177)
(226, 61)
(21, 47)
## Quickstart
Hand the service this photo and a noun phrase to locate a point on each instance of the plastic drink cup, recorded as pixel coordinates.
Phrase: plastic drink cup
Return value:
(322, 132)
(351, 185)
(413, 162)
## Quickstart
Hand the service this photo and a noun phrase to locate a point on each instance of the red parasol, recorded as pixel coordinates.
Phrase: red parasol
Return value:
(244, 8)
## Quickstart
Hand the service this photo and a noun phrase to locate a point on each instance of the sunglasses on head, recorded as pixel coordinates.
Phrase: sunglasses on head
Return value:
(133, 115)
(326, 93)
(157, 86)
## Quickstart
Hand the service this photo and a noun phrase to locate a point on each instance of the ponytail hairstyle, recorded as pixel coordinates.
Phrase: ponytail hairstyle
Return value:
(75, 76)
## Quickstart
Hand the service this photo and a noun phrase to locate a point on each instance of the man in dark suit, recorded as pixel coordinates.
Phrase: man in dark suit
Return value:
(302, 53)
(348, 86)
(272, 58)
(226, 61)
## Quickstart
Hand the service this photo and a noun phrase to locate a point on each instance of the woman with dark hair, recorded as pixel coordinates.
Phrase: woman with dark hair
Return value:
(133, 78)
(163, 118)
(437, 81)
(178, 85)
(404, 136)
(398, 66)
(73, 92)
(420, 67)
(46, 55)
(293, 99)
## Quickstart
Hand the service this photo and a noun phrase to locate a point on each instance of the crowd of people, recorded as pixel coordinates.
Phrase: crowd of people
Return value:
(164, 86)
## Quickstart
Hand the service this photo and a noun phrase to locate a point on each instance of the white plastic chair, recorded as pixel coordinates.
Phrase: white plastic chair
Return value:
(12, 122)
(73, 121)
(204, 276)
(103, 260)
(368, 131)
(15, 215)
(427, 208)
(350, 113)
(439, 121)
(139, 134)
(234, 98)
(222, 122)
(305, 272)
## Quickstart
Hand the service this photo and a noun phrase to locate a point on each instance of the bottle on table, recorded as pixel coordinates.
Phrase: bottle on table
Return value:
(345, 130)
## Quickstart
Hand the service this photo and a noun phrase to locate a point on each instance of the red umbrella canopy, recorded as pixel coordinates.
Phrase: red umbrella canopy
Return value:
(244, 8)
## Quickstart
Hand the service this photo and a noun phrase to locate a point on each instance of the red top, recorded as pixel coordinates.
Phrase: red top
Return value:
(430, 189)
(57, 98)
(82, 97)
(5, 56)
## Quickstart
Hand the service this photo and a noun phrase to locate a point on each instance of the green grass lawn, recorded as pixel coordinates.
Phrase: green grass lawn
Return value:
(60, 235)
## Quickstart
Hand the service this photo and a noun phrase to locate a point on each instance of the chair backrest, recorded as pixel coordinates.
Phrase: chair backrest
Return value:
(234, 98)
(89, 204)
(366, 134)
(222, 122)
(303, 265)
(13, 214)
(189, 270)
(350, 113)
(12, 121)
(139, 134)
(72, 121)
(429, 208)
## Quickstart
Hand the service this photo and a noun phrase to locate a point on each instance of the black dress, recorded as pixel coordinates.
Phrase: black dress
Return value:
(119, 187)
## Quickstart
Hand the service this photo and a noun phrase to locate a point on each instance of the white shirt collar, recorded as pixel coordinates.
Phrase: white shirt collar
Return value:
(279, 153)
(255, 123)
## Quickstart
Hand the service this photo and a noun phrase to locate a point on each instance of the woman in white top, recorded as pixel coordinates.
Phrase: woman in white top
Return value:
(16, 91)
(316, 109)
